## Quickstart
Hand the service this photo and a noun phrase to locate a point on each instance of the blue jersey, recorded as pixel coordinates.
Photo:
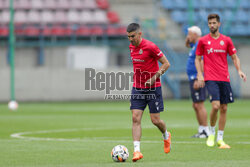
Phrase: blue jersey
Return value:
(191, 69)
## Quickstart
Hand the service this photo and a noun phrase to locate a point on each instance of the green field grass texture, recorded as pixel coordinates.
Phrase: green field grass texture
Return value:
(83, 134)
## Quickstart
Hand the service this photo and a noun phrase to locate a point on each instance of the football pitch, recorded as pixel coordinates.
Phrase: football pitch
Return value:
(83, 134)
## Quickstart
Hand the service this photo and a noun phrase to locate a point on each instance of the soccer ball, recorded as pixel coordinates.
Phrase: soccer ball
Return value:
(13, 105)
(119, 153)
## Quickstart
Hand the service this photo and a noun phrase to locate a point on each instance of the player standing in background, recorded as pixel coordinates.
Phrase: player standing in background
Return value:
(198, 94)
(147, 86)
(214, 47)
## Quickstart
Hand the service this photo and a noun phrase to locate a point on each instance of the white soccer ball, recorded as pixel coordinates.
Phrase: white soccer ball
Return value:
(13, 105)
(119, 153)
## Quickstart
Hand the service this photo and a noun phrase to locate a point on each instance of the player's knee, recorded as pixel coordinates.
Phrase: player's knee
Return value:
(155, 121)
(195, 106)
(136, 119)
(223, 108)
(216, 106)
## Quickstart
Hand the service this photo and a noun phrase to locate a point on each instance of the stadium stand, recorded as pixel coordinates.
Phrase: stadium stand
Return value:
(45, 17)
(234, 14)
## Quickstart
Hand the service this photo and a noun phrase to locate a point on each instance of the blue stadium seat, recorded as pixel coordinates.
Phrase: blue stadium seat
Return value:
(218, 4)
(178, 16)
(168, 4)
(242, 16)
(205, 4)
(245, 4)
(228, 15)
(181, 4)
(196, 4)
(238, 30)
(230, 4)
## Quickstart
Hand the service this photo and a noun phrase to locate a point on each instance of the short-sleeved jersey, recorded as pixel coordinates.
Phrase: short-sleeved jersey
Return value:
(145, 63)
(191, 69)
(214, 52)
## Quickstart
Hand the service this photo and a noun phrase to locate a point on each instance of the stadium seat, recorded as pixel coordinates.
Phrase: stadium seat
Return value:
(4, 31)
(102, 4)
(168, 4)
(205, 4)
(196, 4)
(122, 30)
(100, 17)
(60, 17)
(50, 4)
(96, 30)
(113, 17)
(31, 31)
(181, 4)
(19, 31)
(20, 17)
(244, 4)
(57, 31)
(111, 30)
(23, 4)
(89, 4)
(73, 17)
(5, 17)
(238, 30)
(83, 31)
(5, 4)
(86, 17)
(33, 17)
(63, 4)
(178, 16)
(37, 4)
(76, 4)
(46, 31)
(242, 16)
(230, 4)
(217, 4)
(228, 15)
(47, 17)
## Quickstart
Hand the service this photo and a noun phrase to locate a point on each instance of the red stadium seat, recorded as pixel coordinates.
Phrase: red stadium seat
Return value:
(57, 31)
(113, 17)
(31, 31)
(122, 30)
(102, 4)
(83, 31)
(111, 30)
(46, 31)
(97, 30)
(4, 31)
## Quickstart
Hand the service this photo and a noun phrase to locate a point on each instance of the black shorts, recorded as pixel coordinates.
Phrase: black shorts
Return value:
(197, 95)
(221, 91)
(152, 97)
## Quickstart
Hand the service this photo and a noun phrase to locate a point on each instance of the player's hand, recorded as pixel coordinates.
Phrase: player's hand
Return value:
(200, 80)
(196, 85)
(243, 76)
(149, 82)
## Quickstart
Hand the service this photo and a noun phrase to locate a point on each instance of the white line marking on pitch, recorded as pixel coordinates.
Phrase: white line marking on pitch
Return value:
(90, 139)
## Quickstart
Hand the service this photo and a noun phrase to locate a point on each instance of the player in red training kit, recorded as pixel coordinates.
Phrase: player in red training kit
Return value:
(147, 86)
(214, 48)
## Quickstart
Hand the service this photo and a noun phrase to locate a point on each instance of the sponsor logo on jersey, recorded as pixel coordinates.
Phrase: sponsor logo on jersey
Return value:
(138, 60)
(211, 50)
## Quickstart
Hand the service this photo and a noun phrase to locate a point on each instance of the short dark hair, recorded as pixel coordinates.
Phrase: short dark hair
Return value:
(213, 16)
(133, 27)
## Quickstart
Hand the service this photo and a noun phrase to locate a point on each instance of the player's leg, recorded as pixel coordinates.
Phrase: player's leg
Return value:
(198, 98)
(226, 97)
(137, 107)
(156, 106)
(214, 93)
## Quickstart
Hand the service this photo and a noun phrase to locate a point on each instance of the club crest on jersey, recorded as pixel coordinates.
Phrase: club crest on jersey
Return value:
(221, 43)
(209, 42)
(141, 51)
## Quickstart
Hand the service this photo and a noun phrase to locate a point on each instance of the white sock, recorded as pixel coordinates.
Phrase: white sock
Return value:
(165, 135)
(212, 130)
(206, 130)
(201, 128)
(220, 135)
(136, 146)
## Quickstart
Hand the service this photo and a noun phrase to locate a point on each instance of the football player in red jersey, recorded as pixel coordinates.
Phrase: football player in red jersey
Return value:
(214, 47)
(146, 90)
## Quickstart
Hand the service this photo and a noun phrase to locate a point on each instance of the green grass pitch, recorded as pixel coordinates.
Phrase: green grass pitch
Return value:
(83, 134)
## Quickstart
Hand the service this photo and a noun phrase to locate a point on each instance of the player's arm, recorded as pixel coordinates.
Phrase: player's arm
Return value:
(199, 67)
(164, 67)
(236, 62)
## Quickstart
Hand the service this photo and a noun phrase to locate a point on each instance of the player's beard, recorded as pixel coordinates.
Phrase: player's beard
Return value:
(213, 31)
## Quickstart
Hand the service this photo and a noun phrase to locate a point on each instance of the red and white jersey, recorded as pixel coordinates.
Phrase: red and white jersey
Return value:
(145, 63)
(214, 52)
